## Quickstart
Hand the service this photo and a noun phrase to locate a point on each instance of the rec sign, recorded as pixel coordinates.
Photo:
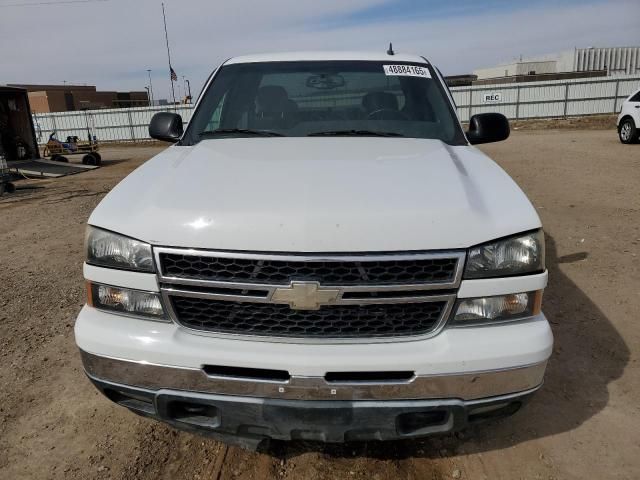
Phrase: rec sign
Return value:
(492, 97)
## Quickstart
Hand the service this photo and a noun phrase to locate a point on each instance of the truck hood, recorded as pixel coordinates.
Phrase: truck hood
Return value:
(339, 194)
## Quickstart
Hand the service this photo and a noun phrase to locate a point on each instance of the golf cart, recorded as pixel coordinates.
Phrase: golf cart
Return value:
(57, 150)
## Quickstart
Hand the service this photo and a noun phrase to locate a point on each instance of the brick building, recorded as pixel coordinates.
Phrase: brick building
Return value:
(64, 98)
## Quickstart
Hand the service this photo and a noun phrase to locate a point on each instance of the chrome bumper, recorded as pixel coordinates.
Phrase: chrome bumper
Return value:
(463, 386)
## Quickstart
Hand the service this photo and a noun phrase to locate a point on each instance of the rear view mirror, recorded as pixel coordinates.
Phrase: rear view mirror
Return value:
(487, 128)
(166, 126)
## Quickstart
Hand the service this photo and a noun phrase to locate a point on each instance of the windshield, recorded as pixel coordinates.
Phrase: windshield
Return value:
(325, 98)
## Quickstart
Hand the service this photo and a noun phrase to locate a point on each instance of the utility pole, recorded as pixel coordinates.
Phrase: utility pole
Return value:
(150, 85)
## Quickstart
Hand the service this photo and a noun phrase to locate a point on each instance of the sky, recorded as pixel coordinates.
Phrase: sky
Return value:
(112, 43)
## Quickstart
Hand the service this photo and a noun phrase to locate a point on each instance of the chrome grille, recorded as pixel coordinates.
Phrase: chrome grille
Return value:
(315, 297)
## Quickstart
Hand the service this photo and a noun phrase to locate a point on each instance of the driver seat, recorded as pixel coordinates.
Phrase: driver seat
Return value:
(274, 108)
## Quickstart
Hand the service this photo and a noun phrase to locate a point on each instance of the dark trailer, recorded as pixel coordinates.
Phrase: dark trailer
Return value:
(17, 133)
(19, 154)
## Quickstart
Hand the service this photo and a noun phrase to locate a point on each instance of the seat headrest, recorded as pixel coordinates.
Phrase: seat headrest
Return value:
(272, 98)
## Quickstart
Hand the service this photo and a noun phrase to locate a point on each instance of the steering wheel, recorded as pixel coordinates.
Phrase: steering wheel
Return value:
(387, 114)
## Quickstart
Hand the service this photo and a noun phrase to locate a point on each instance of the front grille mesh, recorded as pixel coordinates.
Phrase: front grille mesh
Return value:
(432, 270)
(333, 321)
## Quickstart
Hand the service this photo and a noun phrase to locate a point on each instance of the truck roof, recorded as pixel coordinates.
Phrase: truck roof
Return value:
(326, 55)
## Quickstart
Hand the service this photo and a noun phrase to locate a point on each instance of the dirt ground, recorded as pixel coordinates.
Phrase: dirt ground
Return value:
(591, 122)
(583, 424)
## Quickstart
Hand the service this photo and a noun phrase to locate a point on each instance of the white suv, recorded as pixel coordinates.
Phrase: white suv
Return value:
(322, 255)
(629, 119)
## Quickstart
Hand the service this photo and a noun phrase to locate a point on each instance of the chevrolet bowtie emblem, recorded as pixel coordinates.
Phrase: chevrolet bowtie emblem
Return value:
(305, 295)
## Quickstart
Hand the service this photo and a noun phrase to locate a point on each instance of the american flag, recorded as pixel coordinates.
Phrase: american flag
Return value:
(174, 77)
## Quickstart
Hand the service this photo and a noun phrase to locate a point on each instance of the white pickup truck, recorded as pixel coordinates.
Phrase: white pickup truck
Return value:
(321, 255)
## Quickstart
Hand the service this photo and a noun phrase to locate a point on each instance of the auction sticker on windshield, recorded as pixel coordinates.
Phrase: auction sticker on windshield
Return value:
(406, 70)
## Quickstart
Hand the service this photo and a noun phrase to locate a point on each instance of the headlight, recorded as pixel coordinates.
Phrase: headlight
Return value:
(511, 256)
(502, 308)
(125, 300)
(108, 249)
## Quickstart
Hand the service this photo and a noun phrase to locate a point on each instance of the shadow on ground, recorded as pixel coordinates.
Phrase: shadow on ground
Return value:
(109, 163)
(588, 355)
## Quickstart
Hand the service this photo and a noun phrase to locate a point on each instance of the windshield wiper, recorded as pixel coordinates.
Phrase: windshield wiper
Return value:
(242, 131)
(355, 133)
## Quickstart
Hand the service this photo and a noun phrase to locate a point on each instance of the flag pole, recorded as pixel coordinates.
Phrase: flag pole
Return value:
(166, 37)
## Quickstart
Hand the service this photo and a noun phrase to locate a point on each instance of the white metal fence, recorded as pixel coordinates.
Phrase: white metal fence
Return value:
(108, 125)
(549, 99)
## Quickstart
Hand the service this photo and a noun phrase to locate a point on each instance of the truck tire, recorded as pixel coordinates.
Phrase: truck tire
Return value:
(627, 131)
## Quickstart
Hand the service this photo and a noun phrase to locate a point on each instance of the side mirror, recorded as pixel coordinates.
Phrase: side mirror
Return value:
(487, 128)
(166, 126)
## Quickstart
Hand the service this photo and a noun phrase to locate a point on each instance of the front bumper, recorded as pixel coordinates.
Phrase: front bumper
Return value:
(459, 376)
(463, 386)
(251, 422)
(246, 412)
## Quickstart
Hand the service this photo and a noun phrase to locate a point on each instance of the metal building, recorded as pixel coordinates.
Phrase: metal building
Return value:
(615, 60)
(605, 61)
